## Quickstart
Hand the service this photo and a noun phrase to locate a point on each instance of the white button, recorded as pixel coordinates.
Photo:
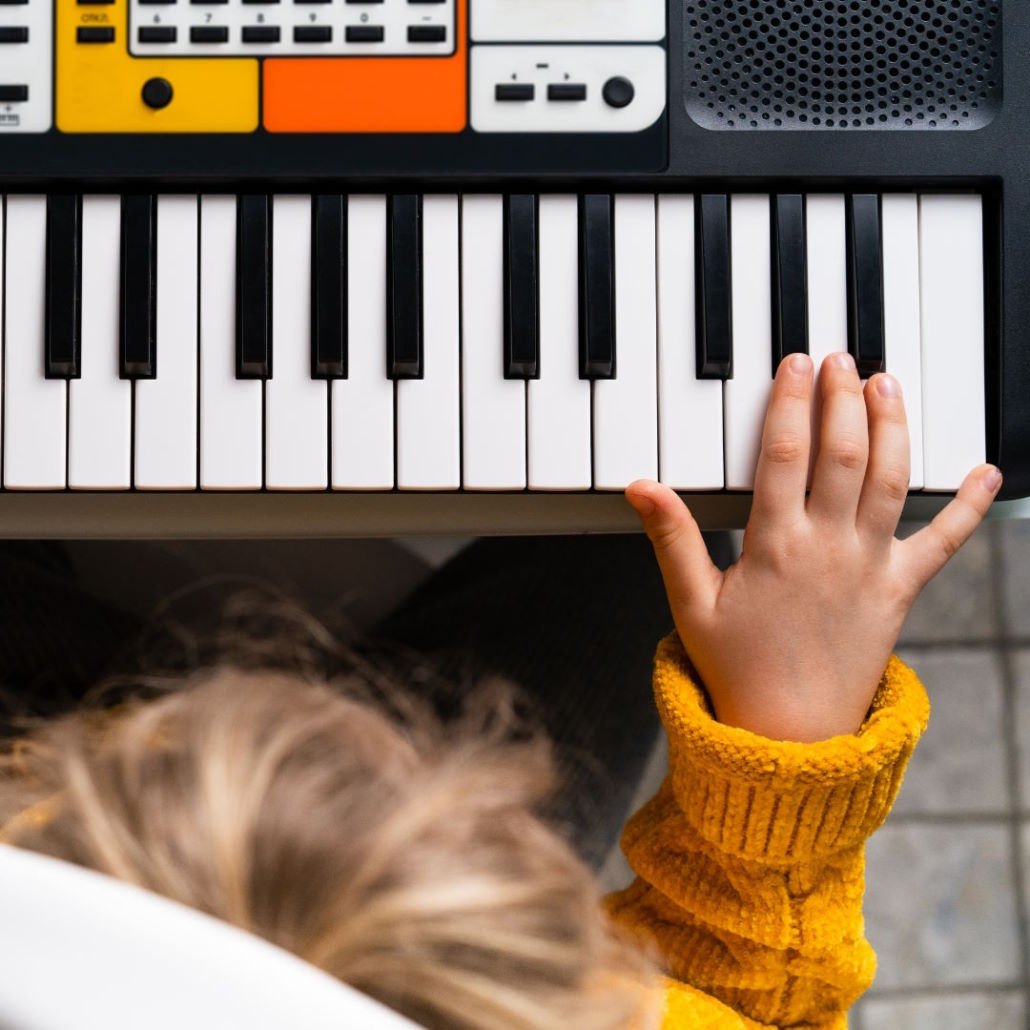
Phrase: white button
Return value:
(166, 406)
(901, 320)
(428, 409)
(558, 414)
(296, 406)
(99, 402)
(493, 408)
(746, 395)
(690, 410)
(35, 408)
(626, 407)
(952, 299)
(230, 408)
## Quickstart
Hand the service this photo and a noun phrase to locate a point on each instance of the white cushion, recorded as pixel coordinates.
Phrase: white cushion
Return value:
(82, 951)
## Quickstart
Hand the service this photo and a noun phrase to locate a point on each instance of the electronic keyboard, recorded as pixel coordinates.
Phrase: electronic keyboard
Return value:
(376, 266)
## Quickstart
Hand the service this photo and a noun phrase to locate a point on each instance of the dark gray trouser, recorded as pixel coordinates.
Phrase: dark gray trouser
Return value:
(574, 622)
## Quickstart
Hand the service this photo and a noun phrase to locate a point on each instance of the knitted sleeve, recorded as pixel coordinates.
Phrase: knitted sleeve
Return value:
(750, 859)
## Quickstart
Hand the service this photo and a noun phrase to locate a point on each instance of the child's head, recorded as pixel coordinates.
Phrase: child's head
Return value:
(402, 856)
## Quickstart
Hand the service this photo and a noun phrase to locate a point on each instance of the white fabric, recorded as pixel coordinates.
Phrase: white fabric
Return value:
(82, 951)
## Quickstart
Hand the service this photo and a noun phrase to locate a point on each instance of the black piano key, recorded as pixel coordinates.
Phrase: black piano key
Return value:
(329, 287)
(138, 330)
(63, 333)
(865, 282)
(596, 287)
(521, 293)
(714, 309)
(254, 287)
(789, 278)
(404, 288)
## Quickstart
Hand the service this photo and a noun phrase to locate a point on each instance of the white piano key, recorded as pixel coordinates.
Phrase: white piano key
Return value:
(746, 395)
(558, 403)
(99, 402)
(902, 333)
(626, 407)
(493, 408)
(296, 406)
(690, 410)
(428, 409)
(952, 306)
(362, 405)
(166, 406)
(827, 275)
(827, 291)
(35, 408)
(230, 409)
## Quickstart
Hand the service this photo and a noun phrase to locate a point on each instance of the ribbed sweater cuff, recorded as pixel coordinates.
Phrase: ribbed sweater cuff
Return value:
(785, 802)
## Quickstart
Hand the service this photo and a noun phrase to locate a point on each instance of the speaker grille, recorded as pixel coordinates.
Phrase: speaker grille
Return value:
(843, 64)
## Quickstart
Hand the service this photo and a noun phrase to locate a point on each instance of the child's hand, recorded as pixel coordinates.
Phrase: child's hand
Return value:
(791, 641)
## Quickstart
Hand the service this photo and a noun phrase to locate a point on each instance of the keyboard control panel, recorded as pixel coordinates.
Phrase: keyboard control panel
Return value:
(366, 67)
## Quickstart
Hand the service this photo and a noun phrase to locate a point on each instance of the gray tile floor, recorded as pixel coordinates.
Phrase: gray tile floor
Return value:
(948, 876)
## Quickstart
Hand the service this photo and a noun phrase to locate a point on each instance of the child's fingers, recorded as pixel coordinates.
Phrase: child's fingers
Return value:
(690, 577)
(887, 474)
(843, 443)
(786, 439)
(925, 553)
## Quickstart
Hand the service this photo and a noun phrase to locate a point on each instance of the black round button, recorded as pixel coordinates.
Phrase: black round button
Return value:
(157, 93)
(618, 92)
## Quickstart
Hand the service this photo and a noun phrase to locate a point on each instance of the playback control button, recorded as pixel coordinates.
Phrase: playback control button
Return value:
(514, 91)
(566, 91)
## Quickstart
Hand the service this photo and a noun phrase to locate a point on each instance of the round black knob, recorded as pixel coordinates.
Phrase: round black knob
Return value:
(157, 93)
(618, 92)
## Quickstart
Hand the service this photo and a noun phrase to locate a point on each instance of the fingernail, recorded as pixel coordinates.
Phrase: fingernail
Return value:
(992, 479)
(887, 385)
(799, 364)
(642, 505)
(844, 360)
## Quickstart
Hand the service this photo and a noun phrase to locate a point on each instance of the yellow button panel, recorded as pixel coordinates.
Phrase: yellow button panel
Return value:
(101, 88)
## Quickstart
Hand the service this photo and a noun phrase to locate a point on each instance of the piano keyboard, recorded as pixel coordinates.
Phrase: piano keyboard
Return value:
(468, 343)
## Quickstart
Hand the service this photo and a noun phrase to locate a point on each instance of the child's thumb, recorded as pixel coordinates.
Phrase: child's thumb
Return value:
(689, 574)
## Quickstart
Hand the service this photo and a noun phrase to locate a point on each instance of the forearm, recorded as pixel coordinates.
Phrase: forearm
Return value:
(750, 859)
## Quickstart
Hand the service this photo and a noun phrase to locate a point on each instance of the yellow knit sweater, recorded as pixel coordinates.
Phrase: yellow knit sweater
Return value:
(750, 859)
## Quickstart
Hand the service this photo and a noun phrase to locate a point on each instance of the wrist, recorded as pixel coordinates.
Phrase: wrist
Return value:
(795, 720)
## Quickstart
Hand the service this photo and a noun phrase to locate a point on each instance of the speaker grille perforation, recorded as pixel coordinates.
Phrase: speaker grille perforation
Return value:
(843, 64)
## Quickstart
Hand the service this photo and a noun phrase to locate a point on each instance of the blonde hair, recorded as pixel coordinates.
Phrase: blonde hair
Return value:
(344, 822)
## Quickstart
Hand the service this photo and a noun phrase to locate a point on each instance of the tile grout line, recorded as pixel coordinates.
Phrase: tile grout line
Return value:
(970, 818)
(1010, 739)
(964, 643)
(931, 990)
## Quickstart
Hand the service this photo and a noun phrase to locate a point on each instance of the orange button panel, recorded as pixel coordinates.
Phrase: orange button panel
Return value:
(369, 94)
